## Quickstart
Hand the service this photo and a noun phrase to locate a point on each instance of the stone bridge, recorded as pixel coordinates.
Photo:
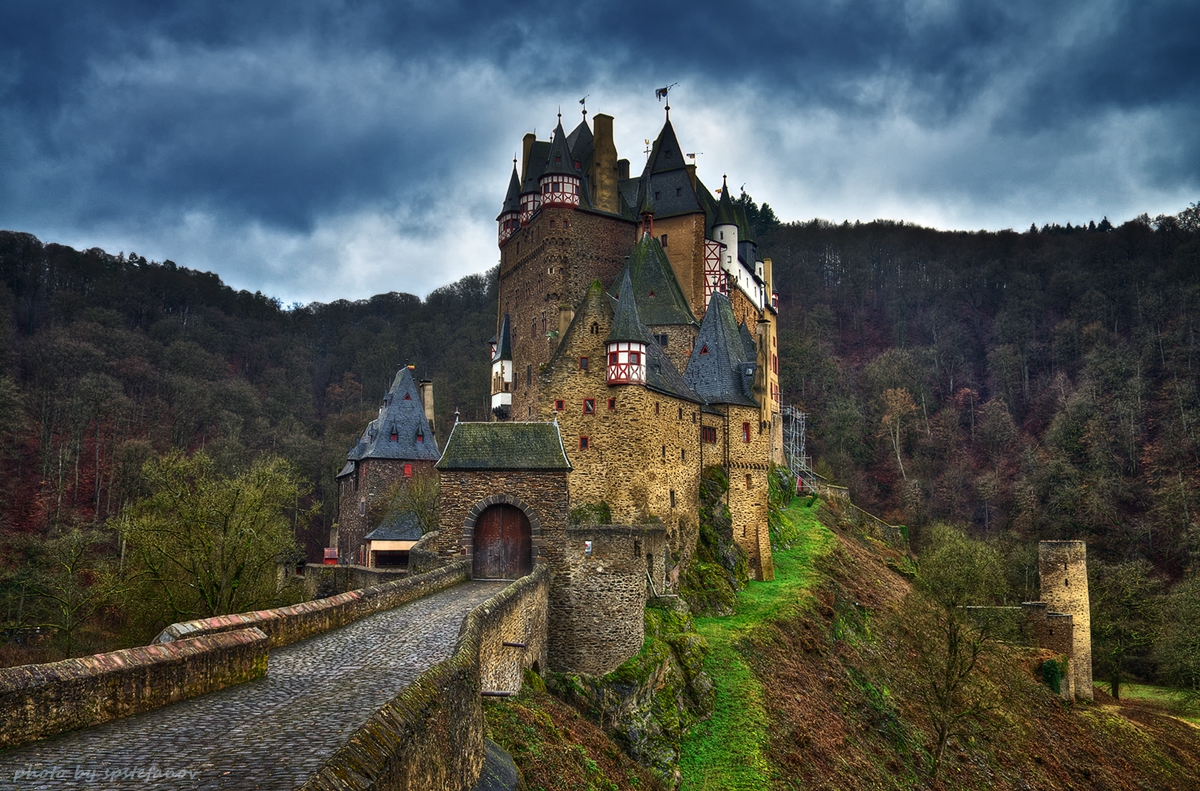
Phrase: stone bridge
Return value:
(351, 698)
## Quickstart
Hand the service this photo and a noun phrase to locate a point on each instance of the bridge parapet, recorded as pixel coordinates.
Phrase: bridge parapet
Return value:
(287, 625)
(37, 701)
(430, 737)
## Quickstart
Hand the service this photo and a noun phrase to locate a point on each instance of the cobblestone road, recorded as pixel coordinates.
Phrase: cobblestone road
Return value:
(267, 734)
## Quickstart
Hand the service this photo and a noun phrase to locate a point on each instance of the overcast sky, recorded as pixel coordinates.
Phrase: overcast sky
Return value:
(326, 150)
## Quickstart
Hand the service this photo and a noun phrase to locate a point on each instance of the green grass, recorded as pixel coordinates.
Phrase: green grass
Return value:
(728, 751)
(1163, 696)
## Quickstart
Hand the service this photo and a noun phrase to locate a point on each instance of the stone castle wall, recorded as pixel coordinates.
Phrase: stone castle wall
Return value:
(1062, 567)
(597, 598)
(542, 268)
(685, 251)
(748, 467)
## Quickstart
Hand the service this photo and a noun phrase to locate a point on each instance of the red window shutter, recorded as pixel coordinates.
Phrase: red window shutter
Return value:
(407, 470)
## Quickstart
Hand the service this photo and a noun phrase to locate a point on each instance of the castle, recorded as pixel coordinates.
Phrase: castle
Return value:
(635, 347)
(634, 312)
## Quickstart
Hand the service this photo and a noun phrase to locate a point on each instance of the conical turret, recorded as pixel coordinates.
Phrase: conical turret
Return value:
(561, 178)
(626, 343)
(510, 213)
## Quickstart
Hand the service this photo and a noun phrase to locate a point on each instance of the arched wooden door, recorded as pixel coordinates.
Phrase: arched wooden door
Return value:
(503, 544)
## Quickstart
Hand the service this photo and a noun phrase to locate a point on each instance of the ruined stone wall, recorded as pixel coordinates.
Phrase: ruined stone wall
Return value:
(597, 599)
(1054, 631)
(430, 737)
(37, 701)
(1062, 567)
(361, 500)
(748, 468)
(543, 267)
(542, 495)
(287, 625)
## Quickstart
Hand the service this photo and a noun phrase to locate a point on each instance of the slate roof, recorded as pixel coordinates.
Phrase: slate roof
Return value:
(512, 201)
(403, 414)
(560, 161)
(397, 526)
(666, 154)
(726, 214)
(718, 370)
(651, 274)
(662, 376)
(581, 142)
(626, 326)
(504, 446)
(503, 342)
(539, 153)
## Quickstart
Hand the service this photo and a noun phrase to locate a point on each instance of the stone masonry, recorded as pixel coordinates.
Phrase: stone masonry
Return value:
(1062, 567)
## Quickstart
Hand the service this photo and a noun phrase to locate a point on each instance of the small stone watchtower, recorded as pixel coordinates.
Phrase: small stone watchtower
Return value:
(1062, 570)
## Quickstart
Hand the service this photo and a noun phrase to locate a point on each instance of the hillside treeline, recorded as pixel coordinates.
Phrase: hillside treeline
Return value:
(1034, 385)
(109, 361)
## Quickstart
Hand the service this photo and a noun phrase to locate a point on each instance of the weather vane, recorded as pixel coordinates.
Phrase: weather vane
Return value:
(661, 93)
(583, 102)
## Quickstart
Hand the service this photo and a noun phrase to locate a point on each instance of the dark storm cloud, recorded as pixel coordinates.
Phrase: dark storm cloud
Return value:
(324, 149)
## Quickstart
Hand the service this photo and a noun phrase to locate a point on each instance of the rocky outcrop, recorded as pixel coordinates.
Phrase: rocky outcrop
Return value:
(650, 701)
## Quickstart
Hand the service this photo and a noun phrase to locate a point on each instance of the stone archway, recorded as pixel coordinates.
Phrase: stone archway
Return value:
(502, 535)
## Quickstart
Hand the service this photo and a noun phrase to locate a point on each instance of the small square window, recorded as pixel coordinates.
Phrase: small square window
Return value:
(635, 358)
(407, 470)
(680, 413)
(664, 451)
(583, 443)
(745, 432)
(672, 498)
(612, 404)
(589, 406)
(583, 363)
(683, 454)
(664, 240)
(656, 407)
(558, 407)
(749, 481)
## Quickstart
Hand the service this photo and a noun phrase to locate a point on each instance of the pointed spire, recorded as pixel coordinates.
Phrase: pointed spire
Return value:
(503, 342)
(559, 160)
(512, 200)
(725, 211)
(626, 325)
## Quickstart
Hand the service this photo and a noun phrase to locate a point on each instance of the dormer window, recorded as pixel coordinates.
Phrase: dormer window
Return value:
(407, 397)
(420, 435)
(558, 159)
(395, 435)
(704, 349)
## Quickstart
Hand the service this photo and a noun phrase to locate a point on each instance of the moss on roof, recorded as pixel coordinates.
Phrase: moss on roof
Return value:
(504, 446)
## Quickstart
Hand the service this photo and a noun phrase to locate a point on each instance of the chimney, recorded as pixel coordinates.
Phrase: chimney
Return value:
(426, 391)
(603, 173)
(691, 170)
(622, 169)
(526, 144)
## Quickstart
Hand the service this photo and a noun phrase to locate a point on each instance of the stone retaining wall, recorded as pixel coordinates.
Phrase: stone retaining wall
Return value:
(287, 625)
(37, 701)
(430, 737)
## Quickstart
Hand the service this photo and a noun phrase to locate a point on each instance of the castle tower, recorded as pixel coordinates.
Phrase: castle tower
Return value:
(1062, 571)
(510, 215)
(396, 445)
(625, 345)
(559, 182)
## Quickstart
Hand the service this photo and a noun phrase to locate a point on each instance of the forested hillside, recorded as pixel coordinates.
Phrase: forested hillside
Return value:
(1037, 385)
(1043, 384)
(107, 361)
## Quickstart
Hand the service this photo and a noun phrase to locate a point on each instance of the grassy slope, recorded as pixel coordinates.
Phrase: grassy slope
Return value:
(729, 751)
